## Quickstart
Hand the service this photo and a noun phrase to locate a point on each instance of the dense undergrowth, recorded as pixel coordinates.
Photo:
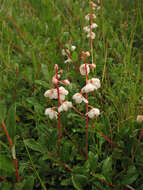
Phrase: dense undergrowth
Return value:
(32, 36)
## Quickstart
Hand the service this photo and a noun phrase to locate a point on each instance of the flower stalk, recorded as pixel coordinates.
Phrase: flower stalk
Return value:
(12, 152)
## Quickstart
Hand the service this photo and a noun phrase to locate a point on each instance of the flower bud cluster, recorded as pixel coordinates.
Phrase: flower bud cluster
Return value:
(90, 17)
(66, 53)
(59, 93)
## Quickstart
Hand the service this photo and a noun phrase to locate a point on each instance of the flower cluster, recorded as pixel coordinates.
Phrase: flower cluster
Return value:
(90, 17)
(58, 93)
(91, 85)
(66, 52)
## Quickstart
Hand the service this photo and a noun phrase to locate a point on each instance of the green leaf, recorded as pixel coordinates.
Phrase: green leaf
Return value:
(31, 143)
(11, 121)
(6, 164)
(2, 111)
(66, 182)
(29, 183)
(42, 83)
(99, 176)
(74, 56)
(107, 166)
(79, 181)
(93, 160)
(6, 186)
(130, 177)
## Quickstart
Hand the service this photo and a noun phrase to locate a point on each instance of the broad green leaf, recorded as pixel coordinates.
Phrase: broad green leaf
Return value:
(2, 111)
(107, 166)
(79, 181)
(31, 143)
(99, 176)
(11, 121)
(29, 183)
(6, 164)
(93, 160)
(42, 83)
(6, 186)
(130, 177)
(66, 182)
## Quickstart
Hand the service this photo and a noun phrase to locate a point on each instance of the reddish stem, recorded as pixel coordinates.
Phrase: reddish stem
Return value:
(11, 146)
(3, 179)
(86, 111)
(63, 165)
(59, 114)
(139, 139)
(91, 24)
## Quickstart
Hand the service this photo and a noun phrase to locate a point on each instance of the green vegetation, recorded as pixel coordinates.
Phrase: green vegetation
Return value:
(32, 36)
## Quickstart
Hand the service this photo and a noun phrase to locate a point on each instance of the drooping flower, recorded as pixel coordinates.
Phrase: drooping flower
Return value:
(88, 88)
(86, 29)
(93, 112)
(95, 82)
(51, 113)
(139, 118)
(91, 35)
(87, 17)
(66, 82)
(68, 60)
(63, 90)
(73, 48)
(79, 98)
(65, 106)
(83, 69)
(52, 94)
(94, 25)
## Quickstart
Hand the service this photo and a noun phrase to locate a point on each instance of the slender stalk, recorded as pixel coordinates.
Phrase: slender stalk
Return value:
(138, 143)
(59, 114)
(13, 156)
(86, 110)
(60, 163)
(91, 41)
(37, 174)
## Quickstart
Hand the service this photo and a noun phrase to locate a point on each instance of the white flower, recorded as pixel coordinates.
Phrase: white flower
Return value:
(92, 65)
(51, 113)
(87, 53)
(52, 94)
(94, 25)
(93, 112)
(88, 88)
(63, 90)
(68, 60)
(86, 29)
(79, 98)
(91, 35)
(140, 118)
(87, 17)
(63, 52)
(73, 48)
(95, 82)
(83, 69)
(65, 106)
